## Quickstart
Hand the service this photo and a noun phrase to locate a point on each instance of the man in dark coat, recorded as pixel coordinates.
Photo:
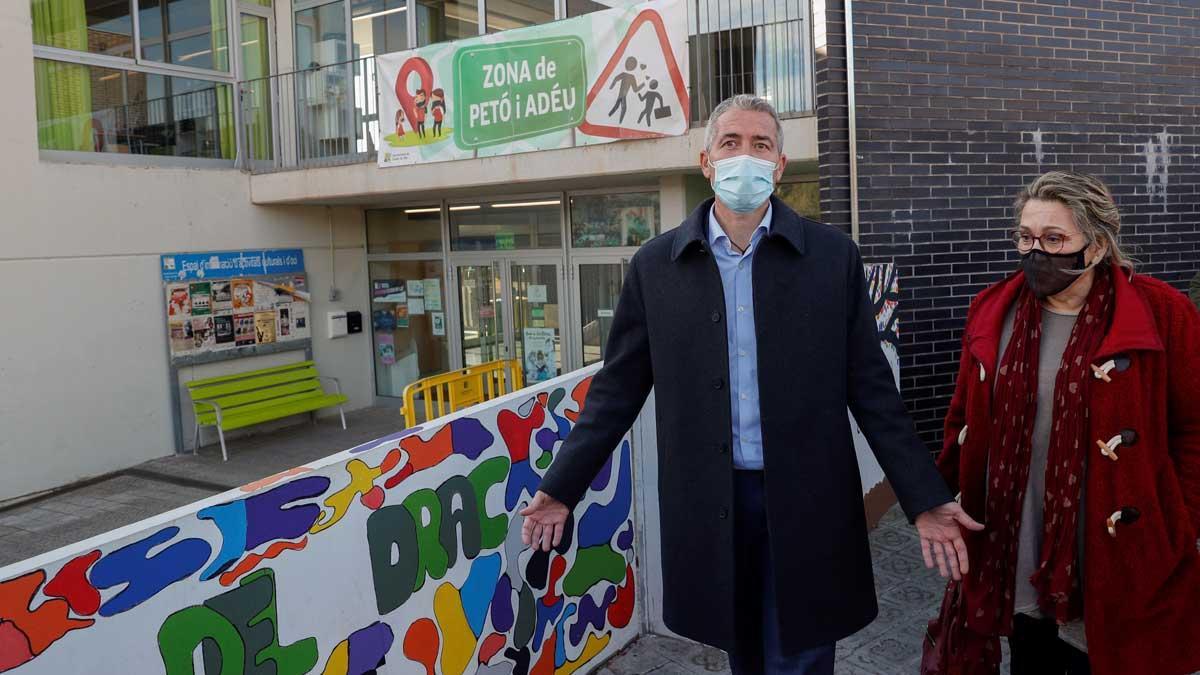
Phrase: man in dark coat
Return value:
(755, 327)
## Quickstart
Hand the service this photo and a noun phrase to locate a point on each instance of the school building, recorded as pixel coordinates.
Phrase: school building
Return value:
(151, 147)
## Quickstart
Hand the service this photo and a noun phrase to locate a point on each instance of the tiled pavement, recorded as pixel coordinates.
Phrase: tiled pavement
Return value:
(908, 593)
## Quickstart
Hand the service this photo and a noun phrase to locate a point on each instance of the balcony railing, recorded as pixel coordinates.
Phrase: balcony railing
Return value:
(327, 115)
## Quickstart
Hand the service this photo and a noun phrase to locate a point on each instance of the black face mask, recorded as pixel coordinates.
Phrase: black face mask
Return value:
(1049, 274)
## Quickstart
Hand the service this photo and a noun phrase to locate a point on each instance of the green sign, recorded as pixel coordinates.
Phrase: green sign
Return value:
(506, 242)
(611, 75)
(514, 90)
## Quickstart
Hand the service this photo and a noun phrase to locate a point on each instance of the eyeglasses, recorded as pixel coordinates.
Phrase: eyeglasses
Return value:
(1051, 243)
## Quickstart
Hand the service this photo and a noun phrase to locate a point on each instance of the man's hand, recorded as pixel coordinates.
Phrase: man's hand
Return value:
(545, 519)
(941, 539)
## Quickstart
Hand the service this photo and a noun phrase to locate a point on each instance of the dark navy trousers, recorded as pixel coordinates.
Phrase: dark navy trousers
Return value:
(758, 648)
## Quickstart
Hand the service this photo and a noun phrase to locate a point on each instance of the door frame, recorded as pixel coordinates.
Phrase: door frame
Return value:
(268, 14)
(505, 260)
(612, 256)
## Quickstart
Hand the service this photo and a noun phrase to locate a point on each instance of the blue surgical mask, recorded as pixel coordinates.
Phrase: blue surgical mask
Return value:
(743, 183)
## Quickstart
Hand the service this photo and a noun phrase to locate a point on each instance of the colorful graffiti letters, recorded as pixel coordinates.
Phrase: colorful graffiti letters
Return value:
(146, 577)
(237, 632)
(26, 632)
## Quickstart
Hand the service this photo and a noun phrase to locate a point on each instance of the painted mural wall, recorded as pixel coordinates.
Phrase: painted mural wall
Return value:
(403, 555)
(883, 283)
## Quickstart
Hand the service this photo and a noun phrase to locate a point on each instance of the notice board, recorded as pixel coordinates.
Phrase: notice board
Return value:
(225, 300)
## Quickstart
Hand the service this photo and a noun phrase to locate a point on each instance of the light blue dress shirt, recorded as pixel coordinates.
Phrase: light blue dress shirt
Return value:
(736, 280)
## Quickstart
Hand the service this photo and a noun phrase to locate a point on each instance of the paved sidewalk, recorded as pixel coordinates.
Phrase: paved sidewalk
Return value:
(909, 595)
(157, 486)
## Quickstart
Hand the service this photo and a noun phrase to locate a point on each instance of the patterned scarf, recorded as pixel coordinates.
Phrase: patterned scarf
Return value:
(971, 643)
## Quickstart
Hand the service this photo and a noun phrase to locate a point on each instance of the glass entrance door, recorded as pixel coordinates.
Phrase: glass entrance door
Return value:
(598, 288)
(481, 299)
(537, 334)
(512, 308)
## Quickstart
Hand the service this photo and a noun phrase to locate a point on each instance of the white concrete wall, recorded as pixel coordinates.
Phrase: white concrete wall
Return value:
(83, 345)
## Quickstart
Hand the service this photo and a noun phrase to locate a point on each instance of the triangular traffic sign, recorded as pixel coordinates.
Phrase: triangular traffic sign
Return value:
(641, 93)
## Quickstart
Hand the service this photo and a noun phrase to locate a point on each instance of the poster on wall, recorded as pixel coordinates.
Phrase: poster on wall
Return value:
(243, 329)
(243, 294)
(181, 335)
(201, 294)
(539, 354)
(203, 335)
(385, 347)
(178, 302)
(284, 326)
(433, 295)
(537, 294)
(389, 290)
(300, 328)
(439, 323)
(611, 75)
(223, 329)
(222, 300)
(264, 327)
(222, 296)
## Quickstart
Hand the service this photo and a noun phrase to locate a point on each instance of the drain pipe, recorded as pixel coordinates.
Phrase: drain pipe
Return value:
(852, 118)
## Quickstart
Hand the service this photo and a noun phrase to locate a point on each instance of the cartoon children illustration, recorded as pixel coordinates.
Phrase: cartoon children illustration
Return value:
(400, 122)
(652, 99)
(537, 367)
(628, 81)
(420, 103)
(438, 105)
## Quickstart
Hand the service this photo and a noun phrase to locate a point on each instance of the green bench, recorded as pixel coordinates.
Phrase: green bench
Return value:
(234, 401)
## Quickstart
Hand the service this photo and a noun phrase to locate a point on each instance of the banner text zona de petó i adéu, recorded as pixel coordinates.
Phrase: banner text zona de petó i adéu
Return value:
(610, 75)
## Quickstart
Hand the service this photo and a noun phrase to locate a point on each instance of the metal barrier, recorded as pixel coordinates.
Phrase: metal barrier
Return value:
(443, 394)
(327, 115)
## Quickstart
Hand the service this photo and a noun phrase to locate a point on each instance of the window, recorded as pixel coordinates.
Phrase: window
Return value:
(746, 47)
(508, 14)
(165, 89)
(193, 33)
(581, 7)
(803, 196)
(96, 26)
(503, 226)
(93, 109)
(321, 36)
(605, 220)
(443, 20)
(416, 229)
(380, 26)
(408, 323)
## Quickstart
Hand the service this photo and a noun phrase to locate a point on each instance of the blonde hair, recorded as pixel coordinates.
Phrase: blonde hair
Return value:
(1090, 201)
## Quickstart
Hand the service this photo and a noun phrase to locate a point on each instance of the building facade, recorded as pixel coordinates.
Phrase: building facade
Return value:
(199, 126)
(196, 126)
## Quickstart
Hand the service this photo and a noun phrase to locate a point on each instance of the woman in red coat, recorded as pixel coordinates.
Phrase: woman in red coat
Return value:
(1074, 436)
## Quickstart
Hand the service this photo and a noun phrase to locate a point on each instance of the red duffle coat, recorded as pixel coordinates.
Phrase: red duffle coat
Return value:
(1141, 586)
